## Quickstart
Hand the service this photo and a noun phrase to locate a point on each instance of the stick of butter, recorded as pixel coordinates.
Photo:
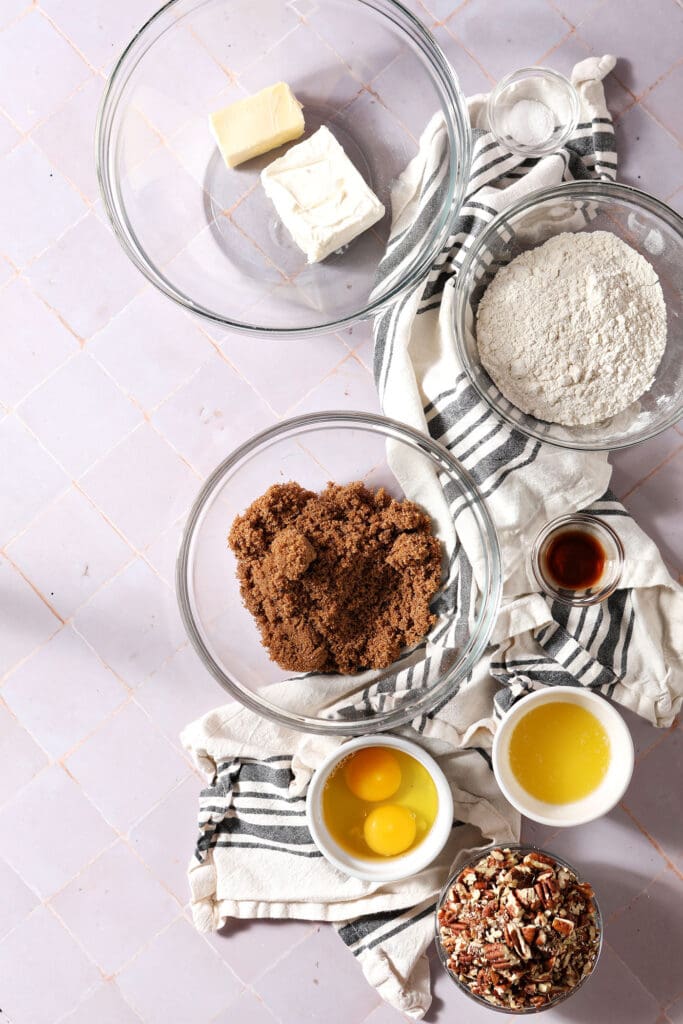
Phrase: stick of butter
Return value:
(321, 198)
(257, 124)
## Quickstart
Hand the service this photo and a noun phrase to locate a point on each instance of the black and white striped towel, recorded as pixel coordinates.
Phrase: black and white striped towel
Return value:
(255, 856)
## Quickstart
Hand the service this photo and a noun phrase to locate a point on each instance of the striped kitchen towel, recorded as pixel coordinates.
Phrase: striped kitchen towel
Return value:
(255, 856)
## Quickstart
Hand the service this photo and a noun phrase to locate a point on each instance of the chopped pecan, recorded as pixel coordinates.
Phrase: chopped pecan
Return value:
(528, 897)
(519, 930)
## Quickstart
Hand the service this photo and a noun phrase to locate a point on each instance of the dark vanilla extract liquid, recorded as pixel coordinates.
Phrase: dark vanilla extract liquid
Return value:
(575, 560)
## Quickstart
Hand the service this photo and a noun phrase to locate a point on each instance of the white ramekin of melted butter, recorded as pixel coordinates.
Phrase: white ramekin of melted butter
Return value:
(380, 808)
(563, 756)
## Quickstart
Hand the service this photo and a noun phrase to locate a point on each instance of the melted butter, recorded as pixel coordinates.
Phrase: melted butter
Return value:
(559, 752)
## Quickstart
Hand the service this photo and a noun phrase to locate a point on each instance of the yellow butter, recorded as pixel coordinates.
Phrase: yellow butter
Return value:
(257, 124)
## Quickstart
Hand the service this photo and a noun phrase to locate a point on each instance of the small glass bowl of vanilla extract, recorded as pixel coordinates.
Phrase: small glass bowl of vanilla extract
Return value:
(578, 559)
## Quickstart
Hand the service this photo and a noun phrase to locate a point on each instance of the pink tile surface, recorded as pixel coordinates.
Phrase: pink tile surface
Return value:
(27, 623)
(149, 771)
(35, 342)
(656, 503)
(146, 465)
(105, 1006)
(101, 29)
(67, 275)
(612, 27)
(252, 948)
(16, 899)
(113, 406)
(635, 935)
(79, 392)
(647, 150)
(656, 805)
(177, 978)
(150, 365)
(44, 206)
(69, 551)
(200, 421)
(132, 623)
(62, 692)
(22, 757)
(40, 68)
(162, 840)
(114, 907)
(178, 692)
(247, 1007)
(479, 27)
(51, 854)
(43, 972)
(32, 477)
(317, 979)
(68, 132)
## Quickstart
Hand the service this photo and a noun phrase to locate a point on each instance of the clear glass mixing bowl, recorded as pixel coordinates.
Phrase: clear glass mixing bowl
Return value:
(522, 848)
(311, 450)
(209, 237)
(646, 224)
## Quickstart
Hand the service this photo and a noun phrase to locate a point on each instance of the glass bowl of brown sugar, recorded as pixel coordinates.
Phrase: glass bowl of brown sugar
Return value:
(263, 641)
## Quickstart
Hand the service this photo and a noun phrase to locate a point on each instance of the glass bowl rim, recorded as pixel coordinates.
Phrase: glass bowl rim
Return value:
(565, 596)
(443, 959)
(594, 189)
(453, 108)
(490, 599)
(534, 72)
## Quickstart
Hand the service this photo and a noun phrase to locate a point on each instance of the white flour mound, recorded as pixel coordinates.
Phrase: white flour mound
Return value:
(574, 330)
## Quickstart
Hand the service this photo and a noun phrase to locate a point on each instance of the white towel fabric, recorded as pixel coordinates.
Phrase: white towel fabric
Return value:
(255, 856)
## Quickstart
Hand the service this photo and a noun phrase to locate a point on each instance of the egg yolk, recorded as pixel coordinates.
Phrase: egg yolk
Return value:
(373, 774)
(390, 830)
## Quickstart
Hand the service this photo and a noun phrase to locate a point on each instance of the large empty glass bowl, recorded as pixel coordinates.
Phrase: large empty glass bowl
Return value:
(648, 226)
(344, 447)
(209, 237)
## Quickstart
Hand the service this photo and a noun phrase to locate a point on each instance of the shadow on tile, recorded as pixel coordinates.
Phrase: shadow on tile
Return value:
(648, 936)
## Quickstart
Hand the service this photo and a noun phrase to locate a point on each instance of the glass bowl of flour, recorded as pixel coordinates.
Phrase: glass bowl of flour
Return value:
(568, 315)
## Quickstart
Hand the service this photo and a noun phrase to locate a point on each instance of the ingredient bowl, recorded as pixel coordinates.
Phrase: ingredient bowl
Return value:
(608, 792)
(644, 223)
(533, 111)
(388, 869)
(520, 850)
(606, 543)
(208, 237)
(343, 447)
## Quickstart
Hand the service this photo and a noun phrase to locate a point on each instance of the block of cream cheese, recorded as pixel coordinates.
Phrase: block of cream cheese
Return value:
(321, 198)
(257, 124)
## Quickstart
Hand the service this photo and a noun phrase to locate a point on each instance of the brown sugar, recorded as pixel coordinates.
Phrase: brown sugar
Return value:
(339, 581)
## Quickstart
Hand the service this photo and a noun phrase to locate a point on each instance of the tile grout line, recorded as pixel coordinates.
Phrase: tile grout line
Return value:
(58, 29)
(469, 53)
(64, 1018)
(630, 970)
(34, 588)
(654, 842)
(672, 454)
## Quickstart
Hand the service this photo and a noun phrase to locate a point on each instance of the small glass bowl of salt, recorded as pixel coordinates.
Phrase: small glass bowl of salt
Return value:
(533, 111)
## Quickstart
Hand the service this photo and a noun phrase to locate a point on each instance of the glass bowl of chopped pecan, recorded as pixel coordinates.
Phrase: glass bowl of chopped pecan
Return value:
(517, 929)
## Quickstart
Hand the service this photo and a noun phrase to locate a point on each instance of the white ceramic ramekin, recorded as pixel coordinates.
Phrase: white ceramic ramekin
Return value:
(389, 869)
(604, 797)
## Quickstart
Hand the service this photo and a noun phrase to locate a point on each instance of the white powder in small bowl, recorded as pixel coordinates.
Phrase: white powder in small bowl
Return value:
(573, 331)
(529, 123)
